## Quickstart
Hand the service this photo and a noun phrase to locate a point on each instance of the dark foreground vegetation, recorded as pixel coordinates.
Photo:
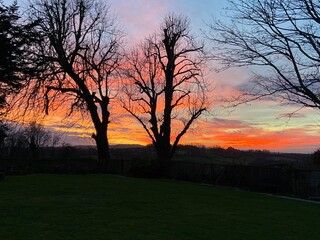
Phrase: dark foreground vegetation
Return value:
(107, 207)
(283, 174)
(20, 158)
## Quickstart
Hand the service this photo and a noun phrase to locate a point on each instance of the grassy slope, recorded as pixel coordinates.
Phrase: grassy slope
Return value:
(107, 207)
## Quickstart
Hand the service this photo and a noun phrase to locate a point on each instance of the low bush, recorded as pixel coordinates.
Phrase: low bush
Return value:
(2, 176)
(316, 158)
(144, 168)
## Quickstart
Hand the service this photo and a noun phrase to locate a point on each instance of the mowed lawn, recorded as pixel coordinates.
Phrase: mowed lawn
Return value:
(110, 207)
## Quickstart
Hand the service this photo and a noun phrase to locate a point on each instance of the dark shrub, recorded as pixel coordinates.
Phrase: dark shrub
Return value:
(316, 158)
(145, 169)
(2, 176)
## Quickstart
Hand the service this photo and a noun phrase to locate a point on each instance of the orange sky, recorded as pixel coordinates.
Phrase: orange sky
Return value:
(300, 134)
(257, 125)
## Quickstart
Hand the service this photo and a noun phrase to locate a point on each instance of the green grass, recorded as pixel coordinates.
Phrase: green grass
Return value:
(108, 207)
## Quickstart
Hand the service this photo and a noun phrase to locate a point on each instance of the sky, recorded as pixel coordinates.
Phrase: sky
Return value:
(257, 125)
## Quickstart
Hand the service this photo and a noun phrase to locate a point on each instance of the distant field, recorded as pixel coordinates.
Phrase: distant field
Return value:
(108, 207)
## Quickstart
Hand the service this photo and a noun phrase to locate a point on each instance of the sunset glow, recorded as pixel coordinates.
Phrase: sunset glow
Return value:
(259, 125)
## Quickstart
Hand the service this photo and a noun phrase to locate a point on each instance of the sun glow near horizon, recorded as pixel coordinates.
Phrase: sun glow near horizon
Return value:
(258, 125)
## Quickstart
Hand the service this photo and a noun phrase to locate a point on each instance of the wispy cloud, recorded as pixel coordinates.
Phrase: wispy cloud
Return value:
(140, 18)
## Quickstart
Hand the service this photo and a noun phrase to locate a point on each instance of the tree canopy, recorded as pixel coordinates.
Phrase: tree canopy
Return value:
(15, 39)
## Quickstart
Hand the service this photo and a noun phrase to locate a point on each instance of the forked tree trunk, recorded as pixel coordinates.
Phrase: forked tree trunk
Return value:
(101, 127)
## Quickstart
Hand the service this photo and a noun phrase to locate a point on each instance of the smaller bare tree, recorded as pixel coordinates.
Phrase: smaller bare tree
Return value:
(37, 137)
(165, 88)
(20, 139)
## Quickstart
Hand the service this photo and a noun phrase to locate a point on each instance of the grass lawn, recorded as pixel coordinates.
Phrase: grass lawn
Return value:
(109, 207)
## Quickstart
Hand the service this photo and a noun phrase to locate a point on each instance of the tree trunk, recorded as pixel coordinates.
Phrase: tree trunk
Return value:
(101, 127)
(164, 159)
(103, 148)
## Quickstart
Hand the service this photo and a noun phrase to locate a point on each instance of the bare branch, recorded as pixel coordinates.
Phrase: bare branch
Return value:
(283, 37)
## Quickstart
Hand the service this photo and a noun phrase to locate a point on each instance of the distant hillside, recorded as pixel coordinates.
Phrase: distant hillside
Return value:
(191, 154)
(216, 155)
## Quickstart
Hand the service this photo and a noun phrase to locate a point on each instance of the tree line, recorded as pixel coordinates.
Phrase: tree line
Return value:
(72, 53)
(17, 140)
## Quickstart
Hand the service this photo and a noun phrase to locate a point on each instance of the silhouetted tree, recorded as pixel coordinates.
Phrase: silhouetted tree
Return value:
(3, 133)
(165, 89)
(14, 41)
(16, 142)
(36, 137)
(282, 35)
(77, 55)
(316, 158)
(20, 139)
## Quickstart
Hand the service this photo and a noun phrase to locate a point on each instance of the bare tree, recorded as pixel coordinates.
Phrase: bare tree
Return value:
(77, 58)
(282, 35)
(37, 137)
(22, 139)
(16, 141)
(166, 89)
